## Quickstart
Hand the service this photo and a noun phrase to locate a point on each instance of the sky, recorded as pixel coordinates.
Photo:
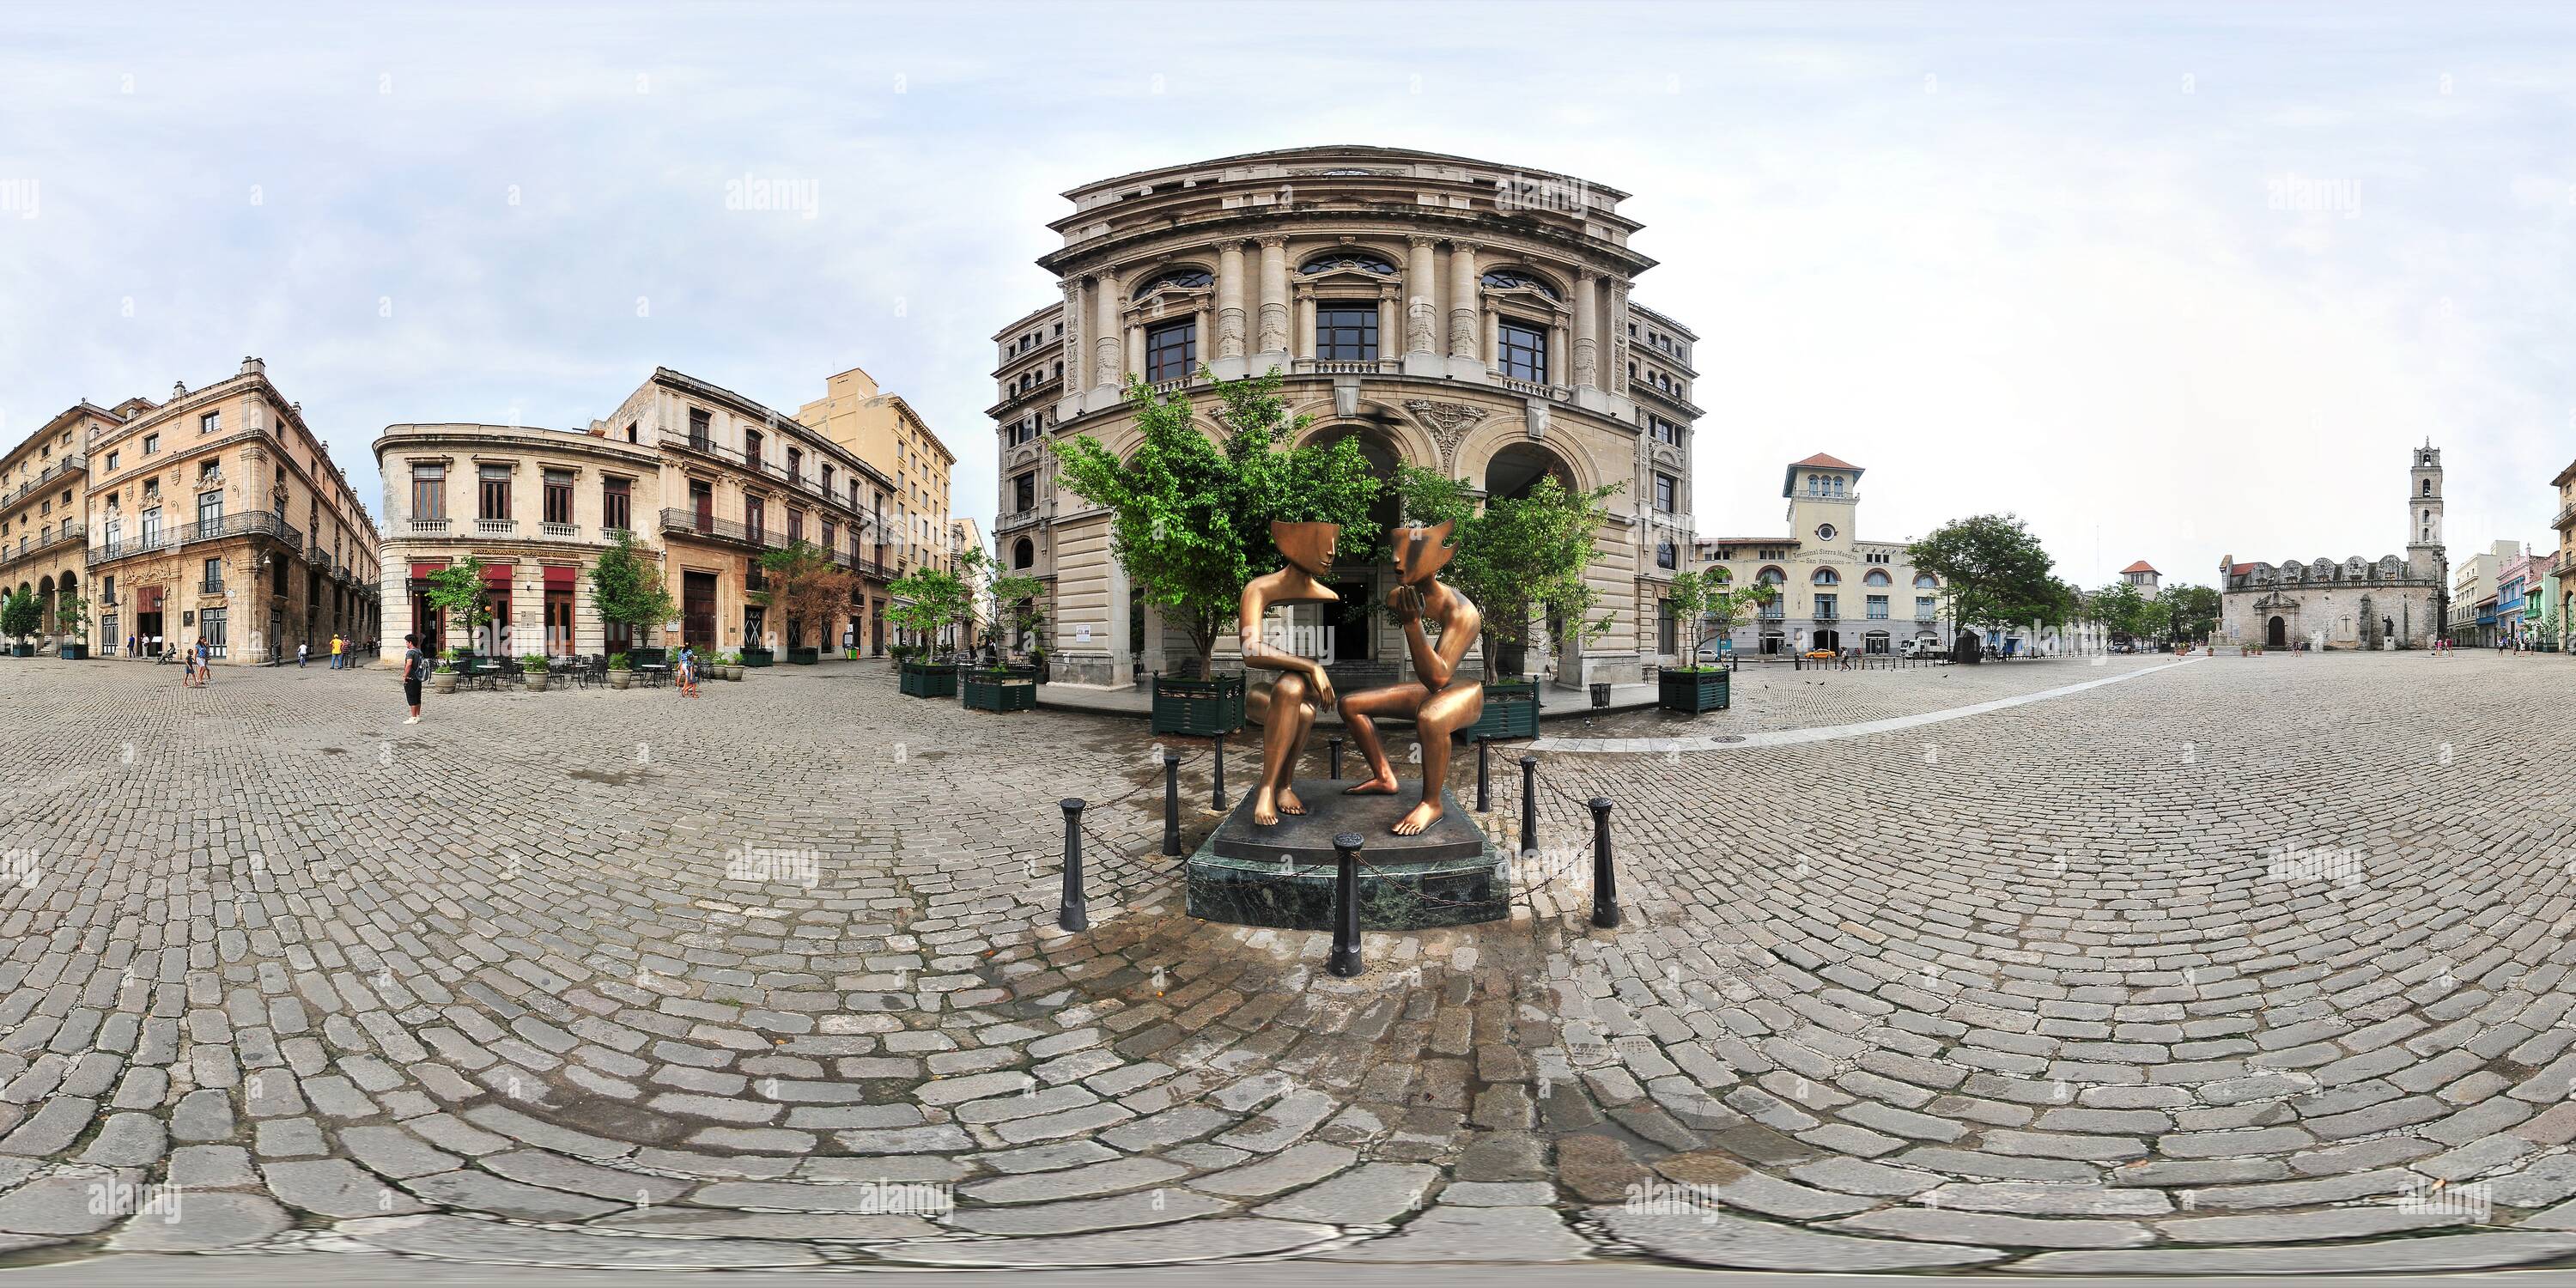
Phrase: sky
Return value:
(2170, 282)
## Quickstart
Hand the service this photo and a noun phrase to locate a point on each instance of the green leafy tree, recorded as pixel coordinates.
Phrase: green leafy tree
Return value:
(2124, 613)
(1521, 559)
(626, 586)
(72, 617)
(803, 589)
(1190, 519)
(1996, 573)
(2191, 612)
(1016, 614)
(21, 614)
(458, 589)
(929, 599)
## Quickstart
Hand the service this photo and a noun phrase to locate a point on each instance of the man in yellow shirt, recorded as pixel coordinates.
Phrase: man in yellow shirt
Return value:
(336, 645)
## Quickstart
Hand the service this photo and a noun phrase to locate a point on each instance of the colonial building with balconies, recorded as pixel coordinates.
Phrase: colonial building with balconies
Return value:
(44, 532)
(219, 516)
(1835, 591)
(706, 480)
(1451, 314)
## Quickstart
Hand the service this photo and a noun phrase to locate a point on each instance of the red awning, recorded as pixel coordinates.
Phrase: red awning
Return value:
(497, 575)
(560, 577)
(426, 569)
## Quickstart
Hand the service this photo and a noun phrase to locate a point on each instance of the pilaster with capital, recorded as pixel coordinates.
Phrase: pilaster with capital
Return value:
(1107, 343)
(1587, 312)
(1274, 295)
(1422, 307)
(1462, 300)
(1229, 300)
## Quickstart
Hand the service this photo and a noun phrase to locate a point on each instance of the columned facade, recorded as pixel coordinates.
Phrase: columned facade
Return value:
(1431, 307)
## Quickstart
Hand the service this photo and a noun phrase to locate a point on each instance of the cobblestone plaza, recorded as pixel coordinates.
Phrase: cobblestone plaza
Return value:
(2228, 965)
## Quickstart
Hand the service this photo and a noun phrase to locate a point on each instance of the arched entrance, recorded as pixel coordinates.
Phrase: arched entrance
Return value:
(1511, 475)
(1875, 642)
(1347, 630)
(1829, 640)
(2277, 635)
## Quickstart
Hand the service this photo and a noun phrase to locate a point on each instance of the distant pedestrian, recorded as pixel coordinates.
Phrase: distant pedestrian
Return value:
(415, 665)
(688, 669)
(130, 642)
(301, 650)
(337, 645)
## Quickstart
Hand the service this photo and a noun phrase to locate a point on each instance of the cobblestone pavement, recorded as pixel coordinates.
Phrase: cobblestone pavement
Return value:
(2248, 965)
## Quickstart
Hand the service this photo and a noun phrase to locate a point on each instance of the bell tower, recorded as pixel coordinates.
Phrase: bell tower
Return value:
(2424, 556)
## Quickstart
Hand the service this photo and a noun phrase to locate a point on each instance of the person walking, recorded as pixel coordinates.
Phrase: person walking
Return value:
(337, 644)
(302, 651)
(688, 669)
(415, 668)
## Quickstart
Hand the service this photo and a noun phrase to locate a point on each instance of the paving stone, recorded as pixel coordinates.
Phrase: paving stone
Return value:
(1370, 1194)
(1210, 1240)
(61, 1204)
(1074, 1183)
(1079, 1216)
(459, 1239)
(1301, 1164)
(2389, 1256)
(1945, 1226)
(1510, 1235)
(205, 1223)
(834, 1226)
(1715, 1239)
(333, 1187)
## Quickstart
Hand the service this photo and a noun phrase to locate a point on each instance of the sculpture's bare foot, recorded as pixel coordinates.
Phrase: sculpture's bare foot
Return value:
(1288, 802)
(1382, 785)
(1265, 809)
(1417, 818)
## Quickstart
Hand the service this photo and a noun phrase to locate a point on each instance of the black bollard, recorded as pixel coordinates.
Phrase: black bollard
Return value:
(1529, 807)
(1172, 804)
(1216, 789)
(1345, 960)
(1336, 744)
(1484, 780)
(1072, 915)
(1605, 884)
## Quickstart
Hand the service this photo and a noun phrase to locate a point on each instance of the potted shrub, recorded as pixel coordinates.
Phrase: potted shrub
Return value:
(443, 679)
(928, 600)
(1705, 604)
(75, 616)
(538, 673)
(626, 588)
(1001, 688)
(621, 671)
(754, 655)
(730, 666)
(19, 617)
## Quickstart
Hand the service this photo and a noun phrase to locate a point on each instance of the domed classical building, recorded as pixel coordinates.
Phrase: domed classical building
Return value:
(1453, 314)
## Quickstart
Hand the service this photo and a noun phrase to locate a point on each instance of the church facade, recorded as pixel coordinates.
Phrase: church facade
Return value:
(2355, 603)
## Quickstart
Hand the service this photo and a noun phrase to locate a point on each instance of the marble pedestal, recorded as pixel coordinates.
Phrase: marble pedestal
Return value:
(1283, 875)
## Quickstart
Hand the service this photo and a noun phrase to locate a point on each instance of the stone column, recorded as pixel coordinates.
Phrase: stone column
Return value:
(1105, 344)
(1556, 352)
(1274, 303)
(1463, 291)
(1305, 322)
(1229, 310)
(1421, 307)
(1203, 338)
(1587, 309)
(1386, 302)
(1134, 349)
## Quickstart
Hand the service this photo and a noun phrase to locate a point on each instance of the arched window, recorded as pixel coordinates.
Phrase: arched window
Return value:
(1664, 555)
(2428, 487)
(1771, 577)
(1182, 277)
(1354, 260)
(1877, 577)
(1925, 581)
(1024, 553)
(1827, 577)
(1507, 279)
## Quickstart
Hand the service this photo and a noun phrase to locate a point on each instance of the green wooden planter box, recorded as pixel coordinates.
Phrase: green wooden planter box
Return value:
(758, 657)
(647, 656)
(919, 680)
(1511, 711)
(22, 650)
(986, 691)
(75, 652)
(1198, 708)
(804, 656)
(1692, 692)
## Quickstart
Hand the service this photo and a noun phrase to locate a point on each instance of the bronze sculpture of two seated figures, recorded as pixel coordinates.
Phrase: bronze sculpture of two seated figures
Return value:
(1438, 702)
